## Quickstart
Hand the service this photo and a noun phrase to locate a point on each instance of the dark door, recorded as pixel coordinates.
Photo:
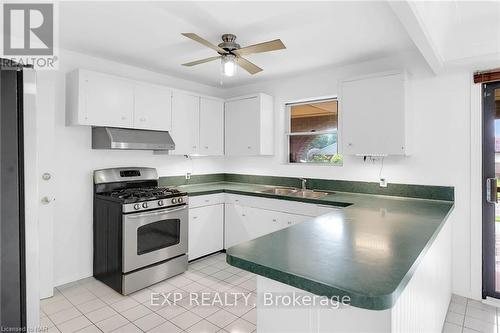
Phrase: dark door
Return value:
(12, 269)
(491, 229)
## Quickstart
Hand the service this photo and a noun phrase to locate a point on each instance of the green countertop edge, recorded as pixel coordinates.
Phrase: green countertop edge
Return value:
(406, 279)
(314, 287)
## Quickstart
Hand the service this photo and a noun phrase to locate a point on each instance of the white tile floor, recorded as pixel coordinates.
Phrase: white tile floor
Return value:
(90, 306)
(471, 316)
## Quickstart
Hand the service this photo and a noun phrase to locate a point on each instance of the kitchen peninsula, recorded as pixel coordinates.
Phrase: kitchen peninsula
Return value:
(389, 254)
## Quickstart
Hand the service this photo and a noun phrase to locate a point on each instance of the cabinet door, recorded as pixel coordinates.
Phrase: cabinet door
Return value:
(185, 123)
(243, 127)
(211, 127)
(236, 225)
(373, 115)
(206, 230)
(262, 222)
(107, 101)
(153, 108)
(287, 220)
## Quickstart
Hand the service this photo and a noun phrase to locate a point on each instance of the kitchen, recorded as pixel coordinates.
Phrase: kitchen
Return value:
(243, 168)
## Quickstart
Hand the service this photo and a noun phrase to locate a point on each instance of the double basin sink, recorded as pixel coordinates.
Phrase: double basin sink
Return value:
(295, 192)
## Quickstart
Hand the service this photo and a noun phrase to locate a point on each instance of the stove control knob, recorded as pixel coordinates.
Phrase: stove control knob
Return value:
(137, 206)
(145, 205)
(174, 200)
(180, 200)
(160, 202)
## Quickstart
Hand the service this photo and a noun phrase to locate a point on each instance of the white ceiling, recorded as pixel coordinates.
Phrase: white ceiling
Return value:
(464, 33)
(316, 34)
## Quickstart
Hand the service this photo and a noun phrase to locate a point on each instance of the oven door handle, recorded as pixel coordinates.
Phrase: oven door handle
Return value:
(157, 212)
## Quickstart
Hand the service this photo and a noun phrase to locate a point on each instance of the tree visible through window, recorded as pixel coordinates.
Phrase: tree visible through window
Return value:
(313, 135)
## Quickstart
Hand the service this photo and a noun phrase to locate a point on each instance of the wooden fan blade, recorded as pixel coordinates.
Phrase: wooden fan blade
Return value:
(201, 61)
(205, 42)
(248, 66)
(271, 45)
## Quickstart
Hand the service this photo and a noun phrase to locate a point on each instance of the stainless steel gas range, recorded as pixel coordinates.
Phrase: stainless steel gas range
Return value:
(140, 229)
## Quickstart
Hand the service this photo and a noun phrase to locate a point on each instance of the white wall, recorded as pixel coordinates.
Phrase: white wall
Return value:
(440, 150)
(75, 161)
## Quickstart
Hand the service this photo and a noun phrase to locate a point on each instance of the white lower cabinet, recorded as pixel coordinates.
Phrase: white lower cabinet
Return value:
(236, 224)
(206, 230)
(243, 223)
(219, 221)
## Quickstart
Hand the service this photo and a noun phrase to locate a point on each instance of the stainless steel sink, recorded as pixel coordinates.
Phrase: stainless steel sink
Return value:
(280, 190)
(309, 194)
(295, 192)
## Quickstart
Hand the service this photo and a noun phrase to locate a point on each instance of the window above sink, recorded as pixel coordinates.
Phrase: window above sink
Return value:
(312, 132)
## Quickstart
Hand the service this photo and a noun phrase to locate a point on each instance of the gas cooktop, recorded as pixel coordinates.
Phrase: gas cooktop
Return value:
(131, 195)
(136, 189)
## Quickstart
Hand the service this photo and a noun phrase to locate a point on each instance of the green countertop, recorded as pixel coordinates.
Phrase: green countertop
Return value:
(367, 250)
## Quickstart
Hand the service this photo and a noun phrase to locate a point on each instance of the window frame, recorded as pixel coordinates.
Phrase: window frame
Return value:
(288, 125)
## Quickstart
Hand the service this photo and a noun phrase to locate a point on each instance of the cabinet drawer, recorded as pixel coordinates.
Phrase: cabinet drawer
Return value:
(206, 200)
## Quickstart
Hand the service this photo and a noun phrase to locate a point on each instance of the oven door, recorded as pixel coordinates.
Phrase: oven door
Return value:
(155, 236)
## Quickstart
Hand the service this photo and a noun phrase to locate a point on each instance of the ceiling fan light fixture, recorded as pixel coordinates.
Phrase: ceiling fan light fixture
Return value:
(228, 63)
(231, 54)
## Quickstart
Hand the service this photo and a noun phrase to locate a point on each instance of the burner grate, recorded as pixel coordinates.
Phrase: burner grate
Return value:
(141, 194)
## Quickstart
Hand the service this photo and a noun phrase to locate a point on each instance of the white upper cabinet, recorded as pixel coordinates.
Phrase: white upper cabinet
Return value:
(185, 123)
(249, 125)
(99, 99)
(374, 115)
(211, 126)
(153, 107)
(197, 125)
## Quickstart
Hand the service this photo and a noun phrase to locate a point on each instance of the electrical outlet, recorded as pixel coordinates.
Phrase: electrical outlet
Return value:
(383, 182)
(188, 175)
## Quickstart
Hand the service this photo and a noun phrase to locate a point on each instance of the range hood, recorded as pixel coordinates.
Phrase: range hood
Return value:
(125, 138)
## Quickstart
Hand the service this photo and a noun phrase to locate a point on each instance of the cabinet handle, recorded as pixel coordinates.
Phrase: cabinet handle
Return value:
(243, 215)
(249, 147)
(207, 200)
(274, 220)
(195, 217)
(289, 222)
(206, 147)
(350, 144)
(194, 147)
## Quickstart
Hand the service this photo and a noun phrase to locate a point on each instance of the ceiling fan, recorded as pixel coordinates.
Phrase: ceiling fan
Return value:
(231, 53)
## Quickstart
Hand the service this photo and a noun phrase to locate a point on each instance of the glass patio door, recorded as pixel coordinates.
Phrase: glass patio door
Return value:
(490, 178)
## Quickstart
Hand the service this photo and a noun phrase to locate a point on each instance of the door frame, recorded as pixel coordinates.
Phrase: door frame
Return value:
(488, 209)
(43, 137)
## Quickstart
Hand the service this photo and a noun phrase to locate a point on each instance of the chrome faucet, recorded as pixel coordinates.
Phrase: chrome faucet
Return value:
(304, 181)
